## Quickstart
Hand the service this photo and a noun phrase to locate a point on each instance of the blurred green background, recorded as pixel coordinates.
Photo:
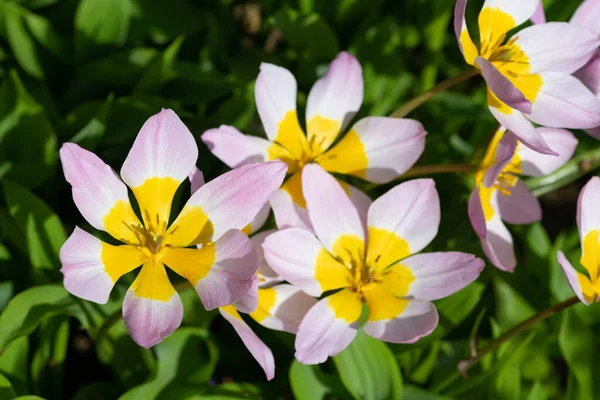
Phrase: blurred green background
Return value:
(92, 71)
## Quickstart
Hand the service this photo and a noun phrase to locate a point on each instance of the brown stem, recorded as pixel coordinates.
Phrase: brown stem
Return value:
(477, 355)
(423, 97)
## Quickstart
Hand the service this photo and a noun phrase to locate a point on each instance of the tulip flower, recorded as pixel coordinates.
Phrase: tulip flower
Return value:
(377, 149)
(586, 286)
(376, 265)
(269, 302)
(222, 270)
(500, 195)
(529, 76)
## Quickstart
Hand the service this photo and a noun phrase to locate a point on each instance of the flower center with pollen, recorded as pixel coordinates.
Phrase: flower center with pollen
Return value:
(151, 241)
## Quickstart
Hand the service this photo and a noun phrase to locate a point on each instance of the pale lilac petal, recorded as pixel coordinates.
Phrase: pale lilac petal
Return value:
(589, 74)
(466, 45)
(89, 275)
(149, 316)
(330, 210)
(476, 214)
(267, 275)
(411, 210)
(96, 190)
(539, 16)
(288, 213)
(502, 87)
(521, 207)
(377, 149)
(249, 302)
(498, 244)
(564, 102)
(588, 15)
(595, 132)
(572, 277)
(516, 122)
(196, 178)
(229, 201)
(536, 164)
(588, 212)
(417, 320)
(505, 151)
(557, 46)
(234, 148)
(333, 100)
(361, 201)
(261, 353)
(286, 314)
(438, 275)
(322, 334)
(259, 219)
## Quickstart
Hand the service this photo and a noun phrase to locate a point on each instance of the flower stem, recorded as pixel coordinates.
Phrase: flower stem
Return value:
(478, 354)
(423, 97)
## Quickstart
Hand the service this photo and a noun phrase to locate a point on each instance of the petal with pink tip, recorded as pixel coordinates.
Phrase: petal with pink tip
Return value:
(396, 320)
(536, 164)
(152, 309)
(332, 214)
(564, 102)
(521, 207)
(229, 201)
(588, 212)
(282, 307)
(476, 214)
(221, 272)
(574, 278)
(298, 257)
(91, 267)
(328, 327)
(502, 87)
(403, 221)
(333, 100)
(377, 149)
(498, 244)
(163, 155)
(261, 353)
(98, 193)
(557, 46)
(588, 15)
(438, 275)
(539, 16)
(196, 178)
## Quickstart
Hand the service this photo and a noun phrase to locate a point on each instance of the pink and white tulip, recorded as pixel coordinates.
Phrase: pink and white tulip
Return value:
(500, 195)
(530, 75)
(373, 263)
(222, 269)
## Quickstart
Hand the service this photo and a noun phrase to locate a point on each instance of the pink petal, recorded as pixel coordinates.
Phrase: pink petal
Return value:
(151, 319)
(587, 15)
(261, 353)
(438, 275)
(361, 201)
(498, 245)
(96, 190)
(288, 213)
(89, 275)
(476, 214)
(337, 96)
(589, 74)
(564, 102)
(505, 151)
(249, 302)
(230, 201)
(417, 320)
(259, 219)
(521, 207)
(331, 212)
(502, 87)
(539, 17)
(234, 148)
(588, 212)
(460, 29)
(322, 334)
(557, 46)
(267, 274)
(571, 275)
(411, 210)
(196, 178)
(536, 164)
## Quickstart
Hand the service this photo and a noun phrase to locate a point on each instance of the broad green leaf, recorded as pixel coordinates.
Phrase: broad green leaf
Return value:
(577, 344)
(27, 309)
(537, 392)
(6, 292)
(176, 367)
(416, 393)
(20, 40)
(23, 120)
(89, 136)
(43, 229)
(6, 390)
(159, 71)
(14, 363)
(47, 366)
(100, 23)
(46, 36)
(308, 382)
(368, 369)
(511, 307)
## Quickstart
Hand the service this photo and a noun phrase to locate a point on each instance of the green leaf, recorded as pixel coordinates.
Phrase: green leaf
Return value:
(43, 230)
(511, 307)
(23, 120)
(47, 366)
(368, 369)
(100, 23)
(160, 70)
(14, 363)
(415, 393)
(26, 310)
(21, 43)
(89, 136)
(6, 390)
(576, 342)
(308, 382)
(537, 392)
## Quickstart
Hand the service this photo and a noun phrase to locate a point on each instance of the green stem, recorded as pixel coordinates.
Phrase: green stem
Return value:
(570, 172)
(423, 97)
(478, 354)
